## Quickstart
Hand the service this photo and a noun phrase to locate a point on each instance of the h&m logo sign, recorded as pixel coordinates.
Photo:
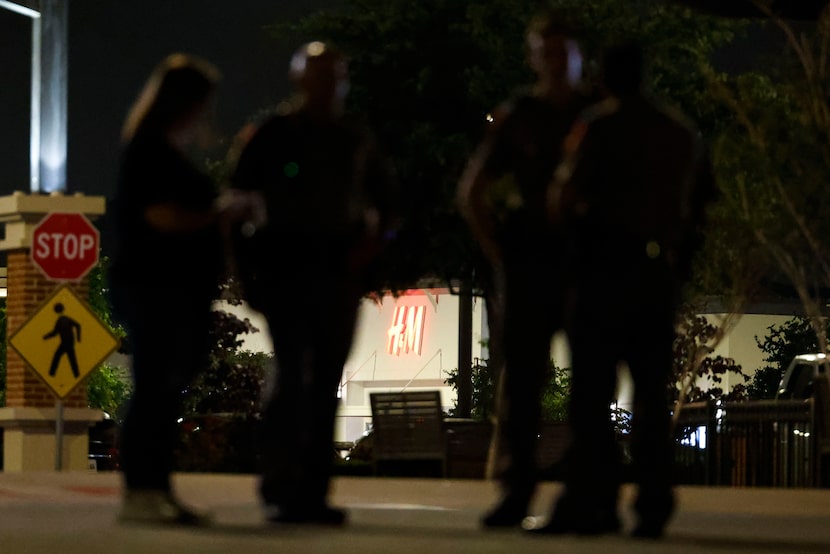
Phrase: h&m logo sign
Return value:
(407, 331)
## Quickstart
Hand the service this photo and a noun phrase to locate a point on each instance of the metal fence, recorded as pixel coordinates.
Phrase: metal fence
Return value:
(768, 443)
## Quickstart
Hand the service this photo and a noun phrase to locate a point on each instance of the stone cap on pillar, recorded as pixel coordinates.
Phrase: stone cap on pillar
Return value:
(25, 416)
(21, 212)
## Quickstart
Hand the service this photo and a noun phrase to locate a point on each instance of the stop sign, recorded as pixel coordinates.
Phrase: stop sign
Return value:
(65, 246)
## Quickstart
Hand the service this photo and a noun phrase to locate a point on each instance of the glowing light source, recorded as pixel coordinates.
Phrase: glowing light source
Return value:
(47, 143)
(407, 331)
(17, 8)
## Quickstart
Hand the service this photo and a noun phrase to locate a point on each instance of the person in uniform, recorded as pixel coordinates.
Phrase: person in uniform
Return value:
(327, 200)
(632, 196)
(502, 196)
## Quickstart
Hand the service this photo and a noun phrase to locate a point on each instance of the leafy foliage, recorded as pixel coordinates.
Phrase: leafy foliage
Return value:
(426, 74)
(99, 296)
(485, 382)
(695, 334)
(772, 160)
(234, 380)
(108, 389)
(693, 340)
(554, 396)
(781, 344)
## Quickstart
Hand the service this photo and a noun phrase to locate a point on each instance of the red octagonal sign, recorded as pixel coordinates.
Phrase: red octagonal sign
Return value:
(65, 246)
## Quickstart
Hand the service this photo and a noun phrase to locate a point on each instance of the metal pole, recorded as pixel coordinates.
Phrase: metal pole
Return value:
(54, 23)
(465, 352)
(35, 131)
(58, 434)
(47, 149)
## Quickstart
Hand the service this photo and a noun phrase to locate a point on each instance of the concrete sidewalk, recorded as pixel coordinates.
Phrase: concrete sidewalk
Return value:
(74, 513)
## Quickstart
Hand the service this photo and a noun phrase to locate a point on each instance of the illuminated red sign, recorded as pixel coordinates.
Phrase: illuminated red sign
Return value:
(407, 331)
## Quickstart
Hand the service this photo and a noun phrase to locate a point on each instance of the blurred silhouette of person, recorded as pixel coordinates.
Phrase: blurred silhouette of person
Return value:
(68, 330)
(522, 148)
(632, 194)
(165, 272)
(327, 200)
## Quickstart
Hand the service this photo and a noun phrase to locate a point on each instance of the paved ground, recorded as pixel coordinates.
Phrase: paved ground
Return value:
(69, 513)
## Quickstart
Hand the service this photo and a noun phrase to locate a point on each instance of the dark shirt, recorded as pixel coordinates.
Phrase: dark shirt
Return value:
(153, 173)
(640, 175)
(525, 143)
(318, 180)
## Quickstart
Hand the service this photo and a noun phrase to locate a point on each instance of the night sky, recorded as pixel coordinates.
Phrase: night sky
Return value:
(113, 46)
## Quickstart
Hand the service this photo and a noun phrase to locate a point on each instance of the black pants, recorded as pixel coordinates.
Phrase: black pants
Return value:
(624, 311)
(533, 292)
(168, 331)
(312, 326)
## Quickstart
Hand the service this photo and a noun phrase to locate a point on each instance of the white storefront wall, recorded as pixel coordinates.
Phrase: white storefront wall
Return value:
(375, 365)
(420, 362)
(408, 342)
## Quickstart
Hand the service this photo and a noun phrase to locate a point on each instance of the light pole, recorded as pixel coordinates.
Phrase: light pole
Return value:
(47, 145)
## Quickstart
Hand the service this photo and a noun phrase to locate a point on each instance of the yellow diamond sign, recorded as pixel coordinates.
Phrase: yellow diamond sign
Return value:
(63, 341)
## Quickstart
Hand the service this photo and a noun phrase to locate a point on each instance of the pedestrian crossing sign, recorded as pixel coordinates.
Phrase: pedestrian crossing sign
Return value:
(63, 341)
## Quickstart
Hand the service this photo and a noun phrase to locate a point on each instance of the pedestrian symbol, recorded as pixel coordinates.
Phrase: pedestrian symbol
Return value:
(50, 341)
(67, 329)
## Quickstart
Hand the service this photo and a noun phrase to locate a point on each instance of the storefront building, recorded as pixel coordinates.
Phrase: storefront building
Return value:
(409, 342)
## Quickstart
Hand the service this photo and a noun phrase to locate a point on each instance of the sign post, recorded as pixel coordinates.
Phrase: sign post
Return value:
(62, 342)
(65, 248)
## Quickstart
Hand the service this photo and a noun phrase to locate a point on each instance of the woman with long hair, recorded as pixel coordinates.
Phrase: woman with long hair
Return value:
(167, 263)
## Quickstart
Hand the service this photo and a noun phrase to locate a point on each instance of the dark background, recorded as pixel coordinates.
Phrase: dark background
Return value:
(113, 46)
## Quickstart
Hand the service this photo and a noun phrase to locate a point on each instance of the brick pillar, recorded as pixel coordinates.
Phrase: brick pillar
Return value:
(28, 420)
(27, 288)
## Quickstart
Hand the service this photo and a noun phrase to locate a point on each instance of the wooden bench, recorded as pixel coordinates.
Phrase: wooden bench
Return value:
(408, 427)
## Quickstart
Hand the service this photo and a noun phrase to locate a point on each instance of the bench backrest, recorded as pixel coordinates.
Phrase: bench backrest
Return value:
(408, 426)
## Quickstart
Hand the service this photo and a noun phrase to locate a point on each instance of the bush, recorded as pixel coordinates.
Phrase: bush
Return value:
(782, 344)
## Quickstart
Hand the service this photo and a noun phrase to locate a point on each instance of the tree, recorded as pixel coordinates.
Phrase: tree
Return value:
(108, 389)
(233, 381)
(695, 371)
(791, 9)
(484, 379)
(773, 159)
(781, 344)
(222, 406)
(426, 74)
(554, 396)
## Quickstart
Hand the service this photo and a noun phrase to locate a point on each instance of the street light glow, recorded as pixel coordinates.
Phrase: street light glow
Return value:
(48, 128)
(17, 8)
